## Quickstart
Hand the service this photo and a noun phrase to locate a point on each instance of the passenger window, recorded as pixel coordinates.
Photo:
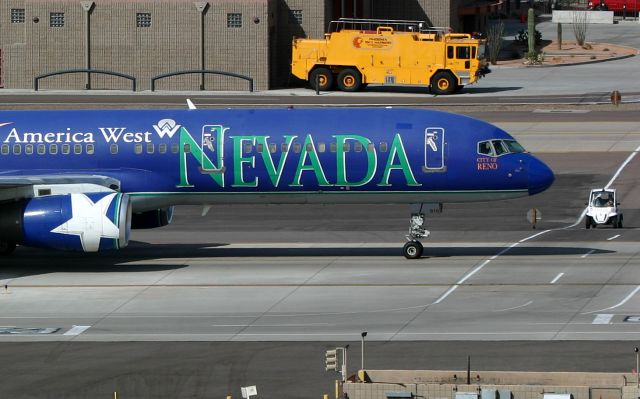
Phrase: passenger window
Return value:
(138, 149)
(272, 148)
(175, 148)
(42, 149)
(346, 147)
(151, 148)
(449, 51)
(357, 146)
(90, 149)
(53, 149)
(371, 147)
(114, 149)
(322, 147)
(297, 147)
(28, 149)
(66, 149)
(187, 148)
(162, 148)
(247, 148)
(284, 147)
(17, 149)
(5, 149)
(383, 147)
(333, 147)
(77, 149)
(309, 147)
(499, 148)
(462, 52)
(259, 147)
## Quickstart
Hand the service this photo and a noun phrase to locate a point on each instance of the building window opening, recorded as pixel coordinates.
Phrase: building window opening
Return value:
(295, 17)
(143, 20)
(17, 16)
(56, 19)
(234, 20)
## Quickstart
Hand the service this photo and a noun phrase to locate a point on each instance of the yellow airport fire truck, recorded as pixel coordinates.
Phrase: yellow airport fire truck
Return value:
(357, 52)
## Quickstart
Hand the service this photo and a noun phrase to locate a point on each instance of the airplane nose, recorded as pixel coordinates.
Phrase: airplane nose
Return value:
(540, 177)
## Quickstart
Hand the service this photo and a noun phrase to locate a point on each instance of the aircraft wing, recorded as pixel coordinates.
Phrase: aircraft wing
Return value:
(13, 187)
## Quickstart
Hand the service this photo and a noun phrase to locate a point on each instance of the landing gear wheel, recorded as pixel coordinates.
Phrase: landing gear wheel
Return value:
(7, 248)
(324, 77)
(412, 250)
(349, 80)
(443, 83)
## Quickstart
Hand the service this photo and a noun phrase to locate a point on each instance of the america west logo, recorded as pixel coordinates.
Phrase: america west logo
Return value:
(112, 134)
(166, 127)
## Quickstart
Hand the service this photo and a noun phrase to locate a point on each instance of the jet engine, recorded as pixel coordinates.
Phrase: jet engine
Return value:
(152, 219)
(87, 222)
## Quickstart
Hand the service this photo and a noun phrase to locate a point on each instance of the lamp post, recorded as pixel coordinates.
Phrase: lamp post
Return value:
(636, 350)
(363, 334)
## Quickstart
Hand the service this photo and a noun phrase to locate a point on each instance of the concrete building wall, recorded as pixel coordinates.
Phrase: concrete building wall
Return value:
(436, 13)
(171, 43)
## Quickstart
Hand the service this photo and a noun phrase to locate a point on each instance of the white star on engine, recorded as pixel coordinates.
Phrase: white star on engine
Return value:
(89, 221)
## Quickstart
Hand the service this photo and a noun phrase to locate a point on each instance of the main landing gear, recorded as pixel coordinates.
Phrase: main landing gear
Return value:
(413, 248)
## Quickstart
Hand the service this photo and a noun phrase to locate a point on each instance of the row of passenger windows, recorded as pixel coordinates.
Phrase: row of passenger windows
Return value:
(495, 148)
(77, 149)
(150, 148)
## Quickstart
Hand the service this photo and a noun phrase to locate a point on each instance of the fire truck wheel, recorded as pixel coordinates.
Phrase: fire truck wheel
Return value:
(324, 77)
(443, 83)
(349, 80)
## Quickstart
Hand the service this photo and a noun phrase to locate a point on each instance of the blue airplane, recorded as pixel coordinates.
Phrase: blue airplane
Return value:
(81, 180)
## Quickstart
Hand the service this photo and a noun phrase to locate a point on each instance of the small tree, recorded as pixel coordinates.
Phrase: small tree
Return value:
(580, 25)
(494, 40)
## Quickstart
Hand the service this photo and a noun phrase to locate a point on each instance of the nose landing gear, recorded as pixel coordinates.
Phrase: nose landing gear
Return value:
(413, 248)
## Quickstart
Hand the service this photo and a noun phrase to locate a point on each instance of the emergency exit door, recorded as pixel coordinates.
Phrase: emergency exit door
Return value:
(434, 150)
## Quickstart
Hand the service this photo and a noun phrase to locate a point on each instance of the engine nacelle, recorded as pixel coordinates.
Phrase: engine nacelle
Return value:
(152, 219)
(87, 222)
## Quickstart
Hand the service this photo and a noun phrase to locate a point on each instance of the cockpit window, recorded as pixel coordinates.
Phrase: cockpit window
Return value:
(485, 148)
(513, 146)
(495, 148)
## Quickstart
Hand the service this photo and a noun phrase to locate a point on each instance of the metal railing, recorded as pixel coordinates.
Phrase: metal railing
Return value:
(204, 71)
(36, 80)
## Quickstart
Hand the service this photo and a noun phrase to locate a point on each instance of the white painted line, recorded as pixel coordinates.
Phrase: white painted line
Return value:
(602, 319)
(624, 164)
(613, 238)
(483, 264)
(557, 278)
(77, 330)
(273, 325)
(561, 111)
(588, 253)
(625, 300)
(515, 307)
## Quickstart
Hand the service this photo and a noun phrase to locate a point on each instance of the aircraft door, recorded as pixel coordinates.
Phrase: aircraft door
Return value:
(212, 148)
(434, 150)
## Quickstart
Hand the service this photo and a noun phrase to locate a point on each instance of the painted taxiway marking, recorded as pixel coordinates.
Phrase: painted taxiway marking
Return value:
(483, 264)
(625, 300)
(515, 307)
(613, 238)
(588, 253)
(602, 319)
(77, 330)
(557, 278)
(624, 164)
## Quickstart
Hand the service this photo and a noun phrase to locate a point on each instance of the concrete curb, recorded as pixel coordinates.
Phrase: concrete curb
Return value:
(622, 57)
